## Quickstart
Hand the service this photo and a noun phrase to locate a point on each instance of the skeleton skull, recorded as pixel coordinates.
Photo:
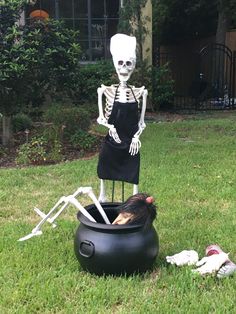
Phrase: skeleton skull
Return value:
(124, 68)
(123, 50)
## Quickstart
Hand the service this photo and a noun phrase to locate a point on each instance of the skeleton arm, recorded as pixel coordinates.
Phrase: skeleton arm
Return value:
(136, 144)
(102, 119)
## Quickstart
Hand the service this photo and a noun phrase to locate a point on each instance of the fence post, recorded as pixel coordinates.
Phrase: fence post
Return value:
(234, 80)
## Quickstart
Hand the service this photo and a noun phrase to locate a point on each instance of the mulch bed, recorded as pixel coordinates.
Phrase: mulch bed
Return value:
(8, 155)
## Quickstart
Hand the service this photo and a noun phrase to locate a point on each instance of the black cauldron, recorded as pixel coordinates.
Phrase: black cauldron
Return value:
(114, 249)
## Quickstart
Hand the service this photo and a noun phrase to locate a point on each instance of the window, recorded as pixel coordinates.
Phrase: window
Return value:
(96, 21)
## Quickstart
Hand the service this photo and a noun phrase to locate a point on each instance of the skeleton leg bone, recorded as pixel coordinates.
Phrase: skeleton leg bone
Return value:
(37, 230)
(64, 201)
(135, 189)
(102, 196)
(99, 207)
(41, 214)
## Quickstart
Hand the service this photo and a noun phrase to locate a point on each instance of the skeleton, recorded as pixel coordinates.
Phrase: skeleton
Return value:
(61, 205)
(124, 60)
(124, 64)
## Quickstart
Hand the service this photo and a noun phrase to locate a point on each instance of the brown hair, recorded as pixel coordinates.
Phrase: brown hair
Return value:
(142, 206)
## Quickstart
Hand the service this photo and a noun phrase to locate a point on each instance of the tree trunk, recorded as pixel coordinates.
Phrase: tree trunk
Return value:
(218, 62)
(222, 26)
(6, 130)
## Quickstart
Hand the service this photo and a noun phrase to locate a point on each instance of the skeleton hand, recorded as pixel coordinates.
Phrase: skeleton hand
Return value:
(134, 146)
(183, 258)
(113, 133)
(210, 264)
(102, 121)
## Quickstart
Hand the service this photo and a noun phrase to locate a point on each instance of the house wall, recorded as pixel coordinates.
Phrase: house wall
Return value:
(184, 60)
(198, 44)
(231, 39)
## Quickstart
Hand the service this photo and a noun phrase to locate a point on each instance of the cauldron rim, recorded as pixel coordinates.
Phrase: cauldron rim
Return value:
(103, 226)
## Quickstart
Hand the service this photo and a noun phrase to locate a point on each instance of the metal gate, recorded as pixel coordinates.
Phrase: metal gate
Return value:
(203, 80)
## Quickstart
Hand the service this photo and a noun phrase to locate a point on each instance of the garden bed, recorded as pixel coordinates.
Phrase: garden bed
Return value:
(9, 155)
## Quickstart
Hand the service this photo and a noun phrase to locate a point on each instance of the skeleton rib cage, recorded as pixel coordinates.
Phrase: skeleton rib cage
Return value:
(123, 94)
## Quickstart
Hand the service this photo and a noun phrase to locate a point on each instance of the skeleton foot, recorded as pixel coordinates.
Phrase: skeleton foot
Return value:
(31, 235)
(228, 269)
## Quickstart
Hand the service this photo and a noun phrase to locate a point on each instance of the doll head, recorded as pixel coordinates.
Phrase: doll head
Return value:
(138, 209)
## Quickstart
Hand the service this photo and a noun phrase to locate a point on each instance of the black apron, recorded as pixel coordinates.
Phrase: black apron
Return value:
(115, 162)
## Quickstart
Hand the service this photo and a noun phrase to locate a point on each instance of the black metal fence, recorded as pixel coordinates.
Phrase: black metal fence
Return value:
(204, 80)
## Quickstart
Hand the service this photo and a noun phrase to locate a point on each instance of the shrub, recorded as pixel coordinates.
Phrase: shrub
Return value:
(23, 154)
(21, 122)
(38, 151)
(162, 87)
(55, 152)
(90, 77)
(92, 109)
(83, 140)
(69, 118)
(38, 58)
(3, 152)
(32, 152)
(158, 82)
(53, 136)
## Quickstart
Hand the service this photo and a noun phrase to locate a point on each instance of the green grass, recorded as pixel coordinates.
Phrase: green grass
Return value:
(188, 166)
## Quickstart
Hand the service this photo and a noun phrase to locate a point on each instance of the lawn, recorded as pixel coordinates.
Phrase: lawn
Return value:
(188, 166)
